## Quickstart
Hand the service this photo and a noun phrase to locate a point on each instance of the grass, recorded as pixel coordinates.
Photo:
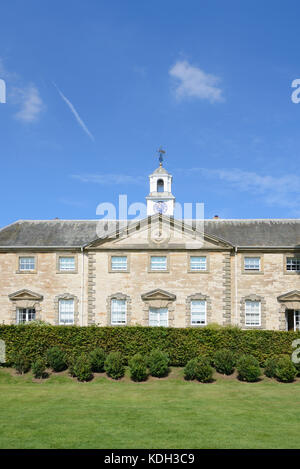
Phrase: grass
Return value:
(60, 412)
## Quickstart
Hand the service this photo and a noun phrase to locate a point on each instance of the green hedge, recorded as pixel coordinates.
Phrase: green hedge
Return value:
(180, 344)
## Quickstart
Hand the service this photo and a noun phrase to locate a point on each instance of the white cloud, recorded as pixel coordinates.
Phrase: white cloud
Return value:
(75, 113)
(192, 82)
(282, 191)
(108, 179)
(24, 97)
(31, 104)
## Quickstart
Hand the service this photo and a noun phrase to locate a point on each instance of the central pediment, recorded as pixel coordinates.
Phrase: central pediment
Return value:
(159, 232)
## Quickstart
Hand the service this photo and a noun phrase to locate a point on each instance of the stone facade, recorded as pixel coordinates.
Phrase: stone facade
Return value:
(224, 285)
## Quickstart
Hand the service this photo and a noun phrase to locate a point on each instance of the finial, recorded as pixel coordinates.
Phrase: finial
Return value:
(161, 153)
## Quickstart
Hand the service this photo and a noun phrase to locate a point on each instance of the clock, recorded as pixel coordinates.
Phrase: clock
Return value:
(160, 207)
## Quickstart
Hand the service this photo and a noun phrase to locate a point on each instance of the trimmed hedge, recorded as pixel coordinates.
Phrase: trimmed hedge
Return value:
(180, 344)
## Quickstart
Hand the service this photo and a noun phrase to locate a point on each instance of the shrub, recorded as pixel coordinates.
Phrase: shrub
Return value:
(204, 370)
(248, 368)
(138, 368)
(97, 358)
(71, 360)
(82, 368)
(224, 361)
(190, 369)
(56, 359)
(113, 365)
(270, 367)
(20, 362)
(158, 363)
(39, 368)
(285, 370)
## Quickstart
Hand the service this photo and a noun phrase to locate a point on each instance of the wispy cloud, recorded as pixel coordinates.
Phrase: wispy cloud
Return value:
(25, 97)
(282, 191)
(31, 104)
(192, 82)
(75, 113)
(71, 202)
(109, 179)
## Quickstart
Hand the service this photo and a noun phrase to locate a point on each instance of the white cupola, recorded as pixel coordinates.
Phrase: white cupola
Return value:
(160, 199)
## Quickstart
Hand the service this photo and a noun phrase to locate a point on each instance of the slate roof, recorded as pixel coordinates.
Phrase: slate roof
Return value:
(77, 233)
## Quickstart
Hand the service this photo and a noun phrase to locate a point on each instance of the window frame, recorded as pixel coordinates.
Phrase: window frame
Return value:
(252, 271)
(198, 254)
(259, 313)
(60, 322)
(27, 315)
(291, 256)
(160, 254)
(158, 325)
(118, 254)
(205, 313)
(61, 255)
(26, 271)
(248, 268)
(112, 323)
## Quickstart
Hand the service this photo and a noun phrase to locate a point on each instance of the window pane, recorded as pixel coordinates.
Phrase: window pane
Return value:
(26, 263)
(118, 311)
(66, 311)
(158, 317)
(67, 263)
(252, 313)
(119, 263)
(198, 312)
(293, 263)
(197, 263)
(252, 263)
(158, 263)
(25, 315)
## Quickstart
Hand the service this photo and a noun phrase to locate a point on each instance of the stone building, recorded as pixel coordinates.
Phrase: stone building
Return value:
(159, 271)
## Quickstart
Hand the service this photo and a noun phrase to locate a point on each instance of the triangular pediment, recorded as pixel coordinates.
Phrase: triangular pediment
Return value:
(25, 295)
(158, 294)
(290, 296)
(161, 232)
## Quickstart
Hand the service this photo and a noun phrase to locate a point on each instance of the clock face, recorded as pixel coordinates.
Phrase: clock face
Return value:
(160, 207)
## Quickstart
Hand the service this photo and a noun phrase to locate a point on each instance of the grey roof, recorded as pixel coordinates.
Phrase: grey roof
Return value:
(77, 233)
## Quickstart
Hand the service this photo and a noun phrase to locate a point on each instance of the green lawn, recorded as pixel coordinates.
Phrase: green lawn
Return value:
(170, 413)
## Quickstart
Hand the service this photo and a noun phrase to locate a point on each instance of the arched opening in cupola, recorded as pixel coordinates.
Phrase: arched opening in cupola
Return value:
(160, 185)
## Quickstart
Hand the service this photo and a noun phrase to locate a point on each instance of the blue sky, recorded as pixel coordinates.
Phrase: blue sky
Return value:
(95, 87)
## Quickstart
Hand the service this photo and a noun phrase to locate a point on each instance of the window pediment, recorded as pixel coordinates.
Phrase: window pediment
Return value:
(158, 294)
(25, 294)
(290, 296)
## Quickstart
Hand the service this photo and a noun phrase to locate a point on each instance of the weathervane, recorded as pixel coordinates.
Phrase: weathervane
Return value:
(161, 153)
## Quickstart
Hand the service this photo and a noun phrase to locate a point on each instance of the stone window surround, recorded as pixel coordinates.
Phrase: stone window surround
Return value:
(253, 272)
(253, 297)
(119, 254)
(66, 296)
(28, 302)
(159, 254)
(159, 301)
(118, 296)
(66, 254)
(201, 297)
(290, 272)
(26, 254)
(198, 254)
